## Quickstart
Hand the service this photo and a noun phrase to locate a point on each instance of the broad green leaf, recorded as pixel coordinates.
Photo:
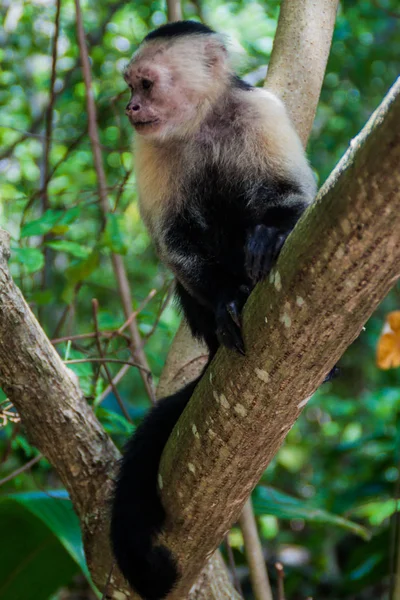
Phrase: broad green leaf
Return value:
(72, 248)
(44, 547)
(269, 501)
(31, 258)
(51, 220)
(43, 225)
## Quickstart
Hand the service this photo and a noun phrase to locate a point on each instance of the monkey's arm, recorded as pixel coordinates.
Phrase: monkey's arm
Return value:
(275, 222)
(218, 291)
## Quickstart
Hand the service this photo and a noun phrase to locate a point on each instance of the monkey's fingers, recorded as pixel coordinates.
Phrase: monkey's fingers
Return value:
(260, 252)
(333, 373)
(234, 311)
(228, 331)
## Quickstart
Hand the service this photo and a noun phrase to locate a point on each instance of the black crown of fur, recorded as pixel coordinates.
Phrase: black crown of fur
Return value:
(179, 28)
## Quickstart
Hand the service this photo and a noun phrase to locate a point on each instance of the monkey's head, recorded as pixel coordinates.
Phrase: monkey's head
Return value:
(179, 71)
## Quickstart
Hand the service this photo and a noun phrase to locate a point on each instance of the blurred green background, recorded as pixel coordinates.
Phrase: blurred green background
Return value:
(333, 484)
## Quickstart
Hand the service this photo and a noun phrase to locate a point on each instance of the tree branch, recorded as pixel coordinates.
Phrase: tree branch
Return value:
(254, 554)
(299, 56)
(338, 264)
(174, 10)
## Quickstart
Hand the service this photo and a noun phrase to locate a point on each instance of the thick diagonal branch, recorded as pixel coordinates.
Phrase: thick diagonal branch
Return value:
(339, 263)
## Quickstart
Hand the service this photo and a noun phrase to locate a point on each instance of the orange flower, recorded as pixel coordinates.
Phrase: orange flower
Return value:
(388, 350)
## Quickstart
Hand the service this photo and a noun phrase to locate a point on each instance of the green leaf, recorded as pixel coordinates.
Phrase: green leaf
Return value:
(113, 423)
(72, 248)
(43, 225)
(44, 545)
(51, 220)
(114, 237)
(269, 501)
(377, 511)
(31, 258)
(79, 272)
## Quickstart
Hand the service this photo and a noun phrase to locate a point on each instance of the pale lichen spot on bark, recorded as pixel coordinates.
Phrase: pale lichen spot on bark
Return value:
(212, 433)
(271, 276)
(303, 402)
(299, 301)
(266, 320)
(120, 595)
(286, 320)
(340, 252)
(192, 468)
(240, 410)
(224, 401)
(277, 281)
(160, 481)
(216, 397)
(195, 432)
(346, 226)
(261, 374)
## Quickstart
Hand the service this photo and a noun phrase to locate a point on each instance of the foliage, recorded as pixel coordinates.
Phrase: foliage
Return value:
(341, 458)
(44, 546)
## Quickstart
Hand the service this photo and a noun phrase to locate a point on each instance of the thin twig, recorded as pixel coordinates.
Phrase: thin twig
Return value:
(115, 381)
(135, 313)
(163, 306)
(232, 566)
(254, 554)
(281, 577)
(118, 265)
(121, 189)
(66, 311)
(50, 107)
(95, 306)
(390, 13)
(88, 336)
(75, 361)
(22, 469)
(174, 10)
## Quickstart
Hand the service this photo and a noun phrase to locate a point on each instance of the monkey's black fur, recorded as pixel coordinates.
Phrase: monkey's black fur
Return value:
(179, 28)
(224, 237)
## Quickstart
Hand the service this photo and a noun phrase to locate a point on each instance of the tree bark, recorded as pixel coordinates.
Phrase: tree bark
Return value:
(299, 56)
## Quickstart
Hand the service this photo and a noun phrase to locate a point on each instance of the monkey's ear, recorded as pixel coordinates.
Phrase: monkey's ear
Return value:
(215, 52)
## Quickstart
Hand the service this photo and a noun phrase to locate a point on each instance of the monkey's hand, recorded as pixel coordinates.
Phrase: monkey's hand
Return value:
(227, 317)
(262, 249)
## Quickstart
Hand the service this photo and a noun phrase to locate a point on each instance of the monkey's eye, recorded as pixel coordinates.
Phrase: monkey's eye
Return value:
(146, 84)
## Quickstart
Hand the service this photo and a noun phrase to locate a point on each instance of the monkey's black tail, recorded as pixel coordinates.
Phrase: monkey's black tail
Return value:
(137, 513)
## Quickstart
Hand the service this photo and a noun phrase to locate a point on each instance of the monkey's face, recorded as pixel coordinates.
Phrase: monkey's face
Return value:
(170, 90)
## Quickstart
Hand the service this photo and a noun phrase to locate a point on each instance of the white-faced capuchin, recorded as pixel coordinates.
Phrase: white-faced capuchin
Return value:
(222, 180)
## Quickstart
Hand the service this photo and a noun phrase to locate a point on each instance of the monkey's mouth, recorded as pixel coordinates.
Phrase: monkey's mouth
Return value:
(141, 124)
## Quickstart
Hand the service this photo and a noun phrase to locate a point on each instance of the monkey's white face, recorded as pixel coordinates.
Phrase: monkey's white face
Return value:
(170, 90)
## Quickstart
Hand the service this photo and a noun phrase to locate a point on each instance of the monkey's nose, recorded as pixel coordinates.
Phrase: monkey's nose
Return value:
(132, 108)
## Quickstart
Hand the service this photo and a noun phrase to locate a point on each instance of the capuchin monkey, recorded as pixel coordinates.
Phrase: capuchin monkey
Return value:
(222, 180)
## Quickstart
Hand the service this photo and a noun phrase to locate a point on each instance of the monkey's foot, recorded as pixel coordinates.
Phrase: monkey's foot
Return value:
(229, 332)
(262, 249)
(333, 373)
